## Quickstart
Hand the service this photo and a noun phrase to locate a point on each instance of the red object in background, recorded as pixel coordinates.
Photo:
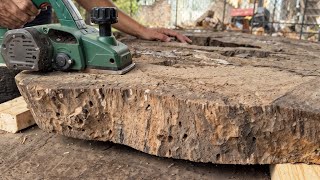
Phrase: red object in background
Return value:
(242, 12)
(44, 6)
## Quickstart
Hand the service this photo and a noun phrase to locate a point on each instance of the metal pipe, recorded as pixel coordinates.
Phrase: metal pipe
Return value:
(274, 12)
(177, 13)
(131, 8)
(260, 3)
(254, 10)
(224, 10)
(303, 18)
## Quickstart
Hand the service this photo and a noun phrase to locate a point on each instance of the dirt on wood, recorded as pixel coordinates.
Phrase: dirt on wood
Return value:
(35, 154)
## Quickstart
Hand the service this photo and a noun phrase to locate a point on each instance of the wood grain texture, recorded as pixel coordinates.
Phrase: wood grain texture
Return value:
(295, 172)
(228, 99)
(15, 116)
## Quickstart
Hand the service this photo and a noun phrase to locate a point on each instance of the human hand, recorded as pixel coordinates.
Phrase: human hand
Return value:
(163, 34)
(16, 13)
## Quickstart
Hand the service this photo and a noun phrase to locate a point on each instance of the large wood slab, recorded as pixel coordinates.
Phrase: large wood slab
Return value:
(248, 101)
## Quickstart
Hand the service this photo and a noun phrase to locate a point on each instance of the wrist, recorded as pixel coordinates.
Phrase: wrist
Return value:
(141, 32)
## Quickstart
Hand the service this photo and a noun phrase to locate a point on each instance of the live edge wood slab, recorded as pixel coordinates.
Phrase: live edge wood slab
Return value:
(228, 99)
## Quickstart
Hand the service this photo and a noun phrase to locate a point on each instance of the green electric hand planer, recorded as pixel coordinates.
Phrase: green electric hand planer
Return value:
(70, 45)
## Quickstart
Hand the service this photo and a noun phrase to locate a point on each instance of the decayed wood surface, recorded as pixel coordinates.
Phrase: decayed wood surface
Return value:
(250, 100)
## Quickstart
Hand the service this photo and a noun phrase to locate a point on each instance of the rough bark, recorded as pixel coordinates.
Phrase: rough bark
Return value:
(229, 99)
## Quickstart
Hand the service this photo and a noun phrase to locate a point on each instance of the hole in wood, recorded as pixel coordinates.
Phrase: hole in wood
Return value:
(148, 107)
(160, 137)
(101, 93)
(254, 139)
(79, 121)
(85, 111)
(218, 157)
(90, 103)
(185, 136)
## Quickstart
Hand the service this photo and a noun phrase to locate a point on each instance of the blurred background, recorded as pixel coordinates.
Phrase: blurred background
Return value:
(296, 19)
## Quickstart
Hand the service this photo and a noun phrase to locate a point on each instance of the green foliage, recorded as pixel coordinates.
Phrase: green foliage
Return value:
(128, 6)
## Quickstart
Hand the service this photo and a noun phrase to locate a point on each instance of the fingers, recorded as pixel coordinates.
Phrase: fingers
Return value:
(187, 39)
(9, 24)
(32, 10)
(182, 38)
(18, 14)
(173, 34)
(14, 23)
(28, 7)
(10, 20)
(163, 34)
(4, 23)
(161, 37)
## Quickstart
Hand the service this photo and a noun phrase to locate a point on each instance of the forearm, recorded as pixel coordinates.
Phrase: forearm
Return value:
(130, 26)
(125, 23)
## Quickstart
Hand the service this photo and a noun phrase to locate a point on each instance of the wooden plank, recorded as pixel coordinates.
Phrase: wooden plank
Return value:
(12, 103)
(15, 116)
(295, 172)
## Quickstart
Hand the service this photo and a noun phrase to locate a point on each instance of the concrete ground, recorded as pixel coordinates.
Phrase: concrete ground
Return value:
(35, 154)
